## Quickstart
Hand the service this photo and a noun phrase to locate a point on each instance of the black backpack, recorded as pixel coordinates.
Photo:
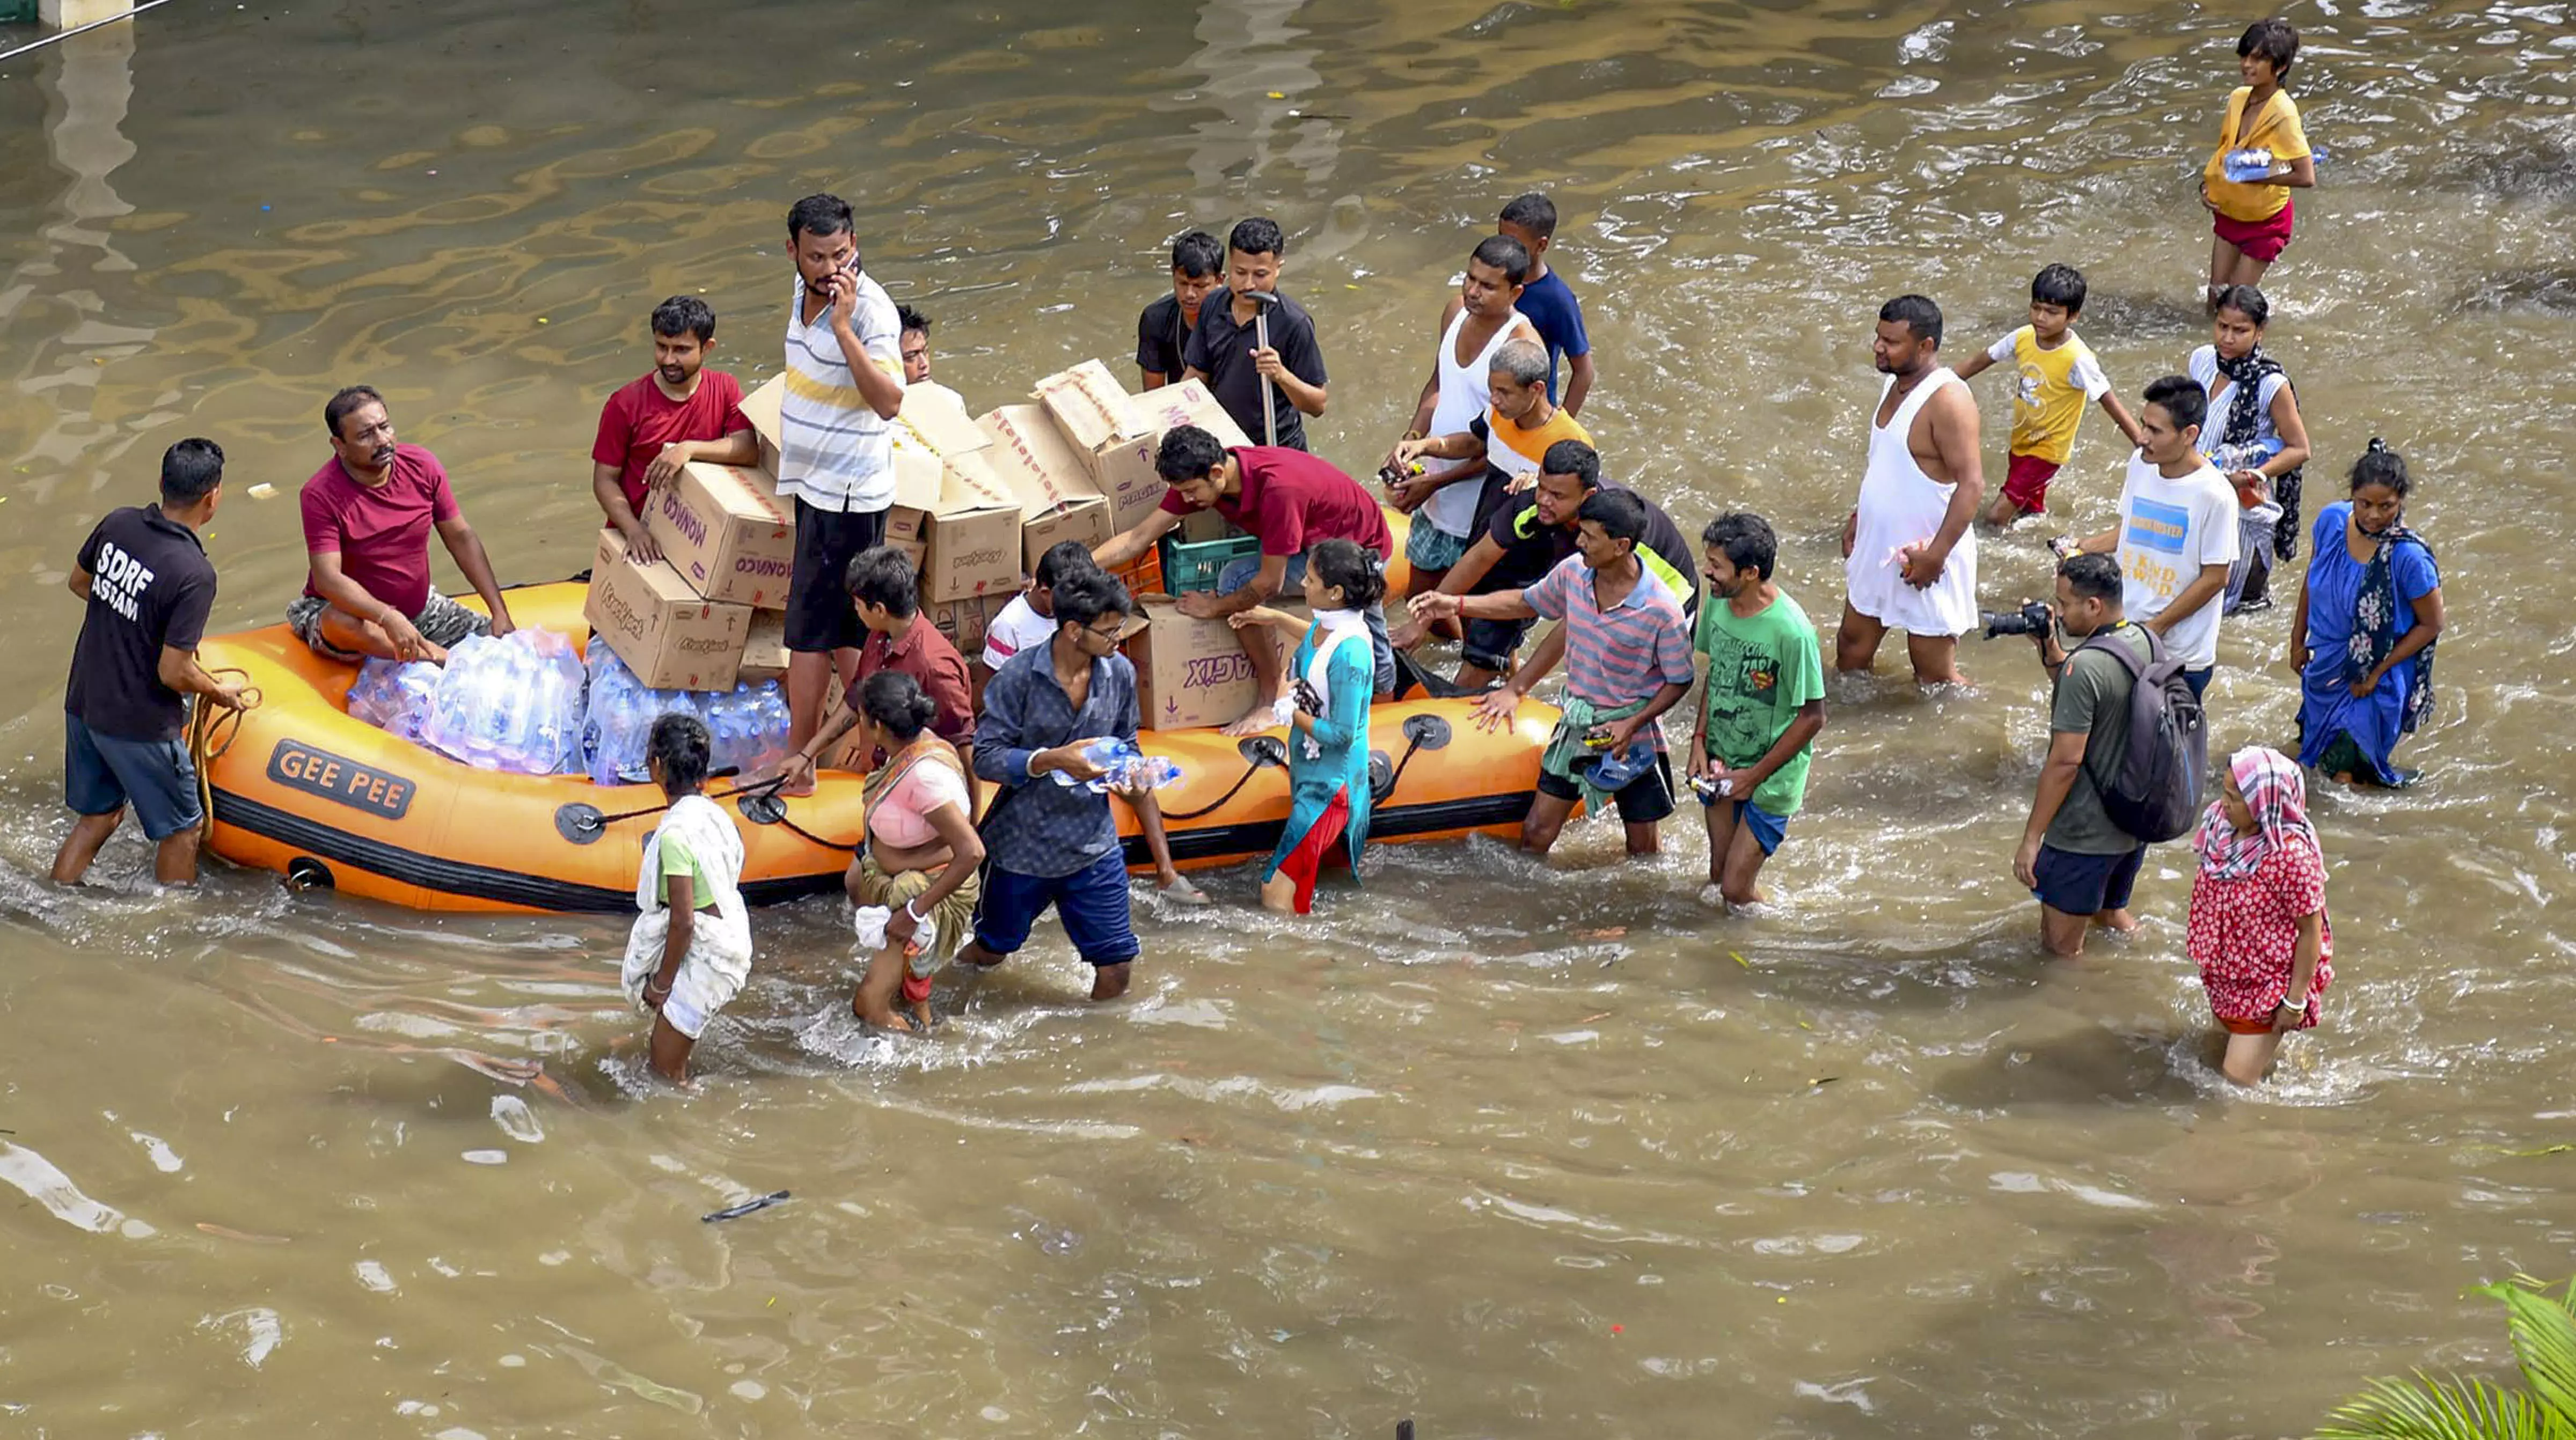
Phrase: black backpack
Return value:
(2156, 794)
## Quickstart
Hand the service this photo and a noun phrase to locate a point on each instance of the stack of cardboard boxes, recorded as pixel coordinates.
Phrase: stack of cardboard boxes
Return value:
(977, 501)
(686, 621)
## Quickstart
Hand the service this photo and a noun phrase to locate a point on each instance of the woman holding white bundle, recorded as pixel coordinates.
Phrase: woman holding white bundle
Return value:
(915, 882)
(690, 950)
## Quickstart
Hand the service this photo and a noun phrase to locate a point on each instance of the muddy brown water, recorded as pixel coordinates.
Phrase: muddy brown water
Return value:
(1518, 1149)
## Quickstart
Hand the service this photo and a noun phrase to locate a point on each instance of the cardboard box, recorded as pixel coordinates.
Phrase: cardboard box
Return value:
(1200, 526)
(956, 517)
(935, 418)
(725, 531)
(1187, 403)
(966, 541)
(844, 753)
(1058, 500)
(760, 407)
(764, 649)
(672, 638)
(1092, 409)
(1126, 473)
(963, 622)
(1189, 672)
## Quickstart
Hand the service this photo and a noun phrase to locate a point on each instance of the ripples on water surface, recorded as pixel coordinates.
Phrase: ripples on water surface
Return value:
(1520, 1149)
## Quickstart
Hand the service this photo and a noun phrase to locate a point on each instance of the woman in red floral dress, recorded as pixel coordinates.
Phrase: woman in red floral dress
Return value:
(2258, 912)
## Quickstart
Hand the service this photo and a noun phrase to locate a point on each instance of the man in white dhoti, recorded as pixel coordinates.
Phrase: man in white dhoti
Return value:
(1909, 556)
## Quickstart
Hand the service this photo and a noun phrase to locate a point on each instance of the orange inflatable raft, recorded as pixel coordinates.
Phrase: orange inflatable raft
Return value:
(302, 788)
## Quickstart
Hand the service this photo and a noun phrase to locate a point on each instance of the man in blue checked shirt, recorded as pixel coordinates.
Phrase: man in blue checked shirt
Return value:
(1050, 839)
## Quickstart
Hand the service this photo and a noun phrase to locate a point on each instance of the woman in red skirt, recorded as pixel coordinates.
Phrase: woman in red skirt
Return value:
(2258, 912)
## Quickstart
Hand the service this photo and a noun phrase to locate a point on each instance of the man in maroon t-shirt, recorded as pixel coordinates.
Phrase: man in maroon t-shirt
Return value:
(1287, 498)
(367, 518)
(677, 414)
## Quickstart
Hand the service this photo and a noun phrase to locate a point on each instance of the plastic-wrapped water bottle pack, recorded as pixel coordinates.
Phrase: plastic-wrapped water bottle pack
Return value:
(526, 703)
(510, 704)
(747, 724)
(1123, 768)
(394, 696)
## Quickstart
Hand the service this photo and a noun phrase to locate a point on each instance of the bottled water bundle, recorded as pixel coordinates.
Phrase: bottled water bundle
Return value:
(747, 724)
(395, 697)
(510, 704)
(1123, 767)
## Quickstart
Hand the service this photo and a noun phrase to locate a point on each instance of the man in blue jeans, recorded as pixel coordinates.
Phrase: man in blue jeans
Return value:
(148, 585)
(1048, 838)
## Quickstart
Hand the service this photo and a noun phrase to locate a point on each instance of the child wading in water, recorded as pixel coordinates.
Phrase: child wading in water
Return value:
(2056, 374)
(2258, 912)
(2250, 207)
(690, 950)
(1327, 712)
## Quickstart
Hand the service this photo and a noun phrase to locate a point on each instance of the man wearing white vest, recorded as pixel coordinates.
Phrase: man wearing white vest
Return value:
(1909, 556)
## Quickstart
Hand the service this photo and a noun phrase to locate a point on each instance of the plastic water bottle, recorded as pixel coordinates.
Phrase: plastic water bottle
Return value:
(2248, 165)
(1107, 754)
(727, 731)
(769, 723)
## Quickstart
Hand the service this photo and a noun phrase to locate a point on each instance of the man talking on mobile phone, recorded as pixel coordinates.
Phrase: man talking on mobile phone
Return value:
(836, 448)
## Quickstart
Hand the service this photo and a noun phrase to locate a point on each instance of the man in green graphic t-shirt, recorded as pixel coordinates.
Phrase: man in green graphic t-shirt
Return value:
(1762, 707)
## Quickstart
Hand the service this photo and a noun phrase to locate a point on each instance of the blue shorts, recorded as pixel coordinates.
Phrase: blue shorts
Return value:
(2198, 680)
(1092, 902)
(1768, 829)
(2073, 884)
(1239, 573)
(102, 774)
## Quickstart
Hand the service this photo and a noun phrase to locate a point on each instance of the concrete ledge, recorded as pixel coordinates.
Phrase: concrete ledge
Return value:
(68, 14)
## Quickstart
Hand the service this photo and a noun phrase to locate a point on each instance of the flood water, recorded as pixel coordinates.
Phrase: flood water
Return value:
(1518, 1149)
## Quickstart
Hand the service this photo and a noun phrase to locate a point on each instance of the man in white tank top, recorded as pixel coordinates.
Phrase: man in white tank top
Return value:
(1909, 556)
(1478, 322)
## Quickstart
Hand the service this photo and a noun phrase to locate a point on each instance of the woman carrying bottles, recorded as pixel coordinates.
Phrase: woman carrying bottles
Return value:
(2362, 641)
(1327, 712)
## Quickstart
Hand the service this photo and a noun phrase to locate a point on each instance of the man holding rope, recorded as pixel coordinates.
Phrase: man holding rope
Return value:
(145, 577)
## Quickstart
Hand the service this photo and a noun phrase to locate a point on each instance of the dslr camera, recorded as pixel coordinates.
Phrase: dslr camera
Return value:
(2032, 618)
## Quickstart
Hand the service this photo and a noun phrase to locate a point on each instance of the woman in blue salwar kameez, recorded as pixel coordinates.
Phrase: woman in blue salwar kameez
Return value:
(1326, 711)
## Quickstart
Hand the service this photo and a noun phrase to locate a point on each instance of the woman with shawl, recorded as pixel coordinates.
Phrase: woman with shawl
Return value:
(2255, 437)
(2363, 637)
(2258, 928)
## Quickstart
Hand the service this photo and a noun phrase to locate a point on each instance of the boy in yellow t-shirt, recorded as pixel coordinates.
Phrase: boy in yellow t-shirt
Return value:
(2249, 200)
(2057, 375)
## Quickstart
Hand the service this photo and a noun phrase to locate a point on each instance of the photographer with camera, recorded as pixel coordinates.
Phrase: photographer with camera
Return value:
(2078, 862)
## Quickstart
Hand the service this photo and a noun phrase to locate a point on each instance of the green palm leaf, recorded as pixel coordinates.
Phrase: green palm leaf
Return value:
(2452, 1409)
(2544, 1340)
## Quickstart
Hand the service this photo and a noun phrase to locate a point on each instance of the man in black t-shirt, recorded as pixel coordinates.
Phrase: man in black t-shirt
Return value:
(149, 586)
(1163, 328)
(1532, 533)
(1225, 350)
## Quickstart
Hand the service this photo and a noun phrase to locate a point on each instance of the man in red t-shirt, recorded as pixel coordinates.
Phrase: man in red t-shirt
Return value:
(367, 518)
(1287, 498)
(654, 425)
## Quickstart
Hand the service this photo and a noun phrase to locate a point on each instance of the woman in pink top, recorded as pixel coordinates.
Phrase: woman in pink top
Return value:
(918, 872)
